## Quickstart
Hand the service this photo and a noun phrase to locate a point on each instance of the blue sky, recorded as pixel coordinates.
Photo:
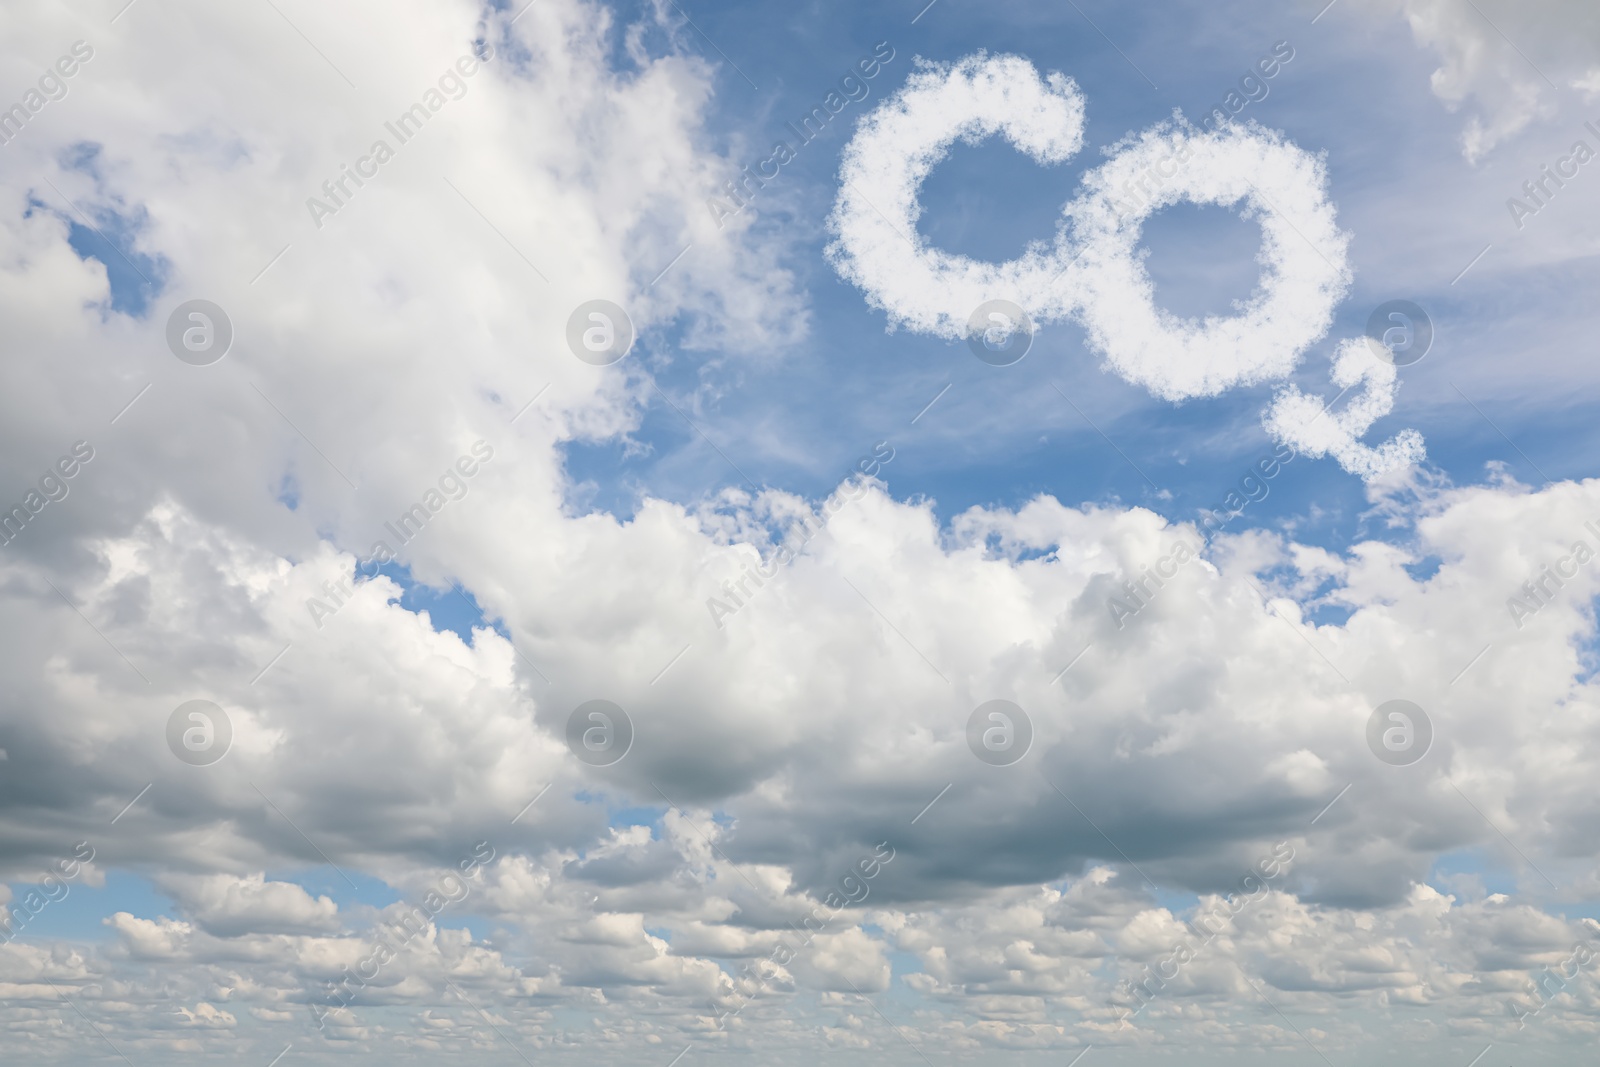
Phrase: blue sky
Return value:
(807, 724)
(798, 418)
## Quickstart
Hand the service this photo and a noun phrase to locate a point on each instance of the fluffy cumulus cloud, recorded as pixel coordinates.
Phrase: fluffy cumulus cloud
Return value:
(226, 905)
(1506, 64)
(800, 854)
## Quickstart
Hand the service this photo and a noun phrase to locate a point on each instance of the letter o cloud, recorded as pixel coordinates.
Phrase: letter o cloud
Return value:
(1304, 273)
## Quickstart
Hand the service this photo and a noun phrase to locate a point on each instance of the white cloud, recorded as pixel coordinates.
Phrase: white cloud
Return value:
(1508, 59)
(227, 905)
(1096, 272)
(1589, 85)
(1303, 256)
(896, 146)
(607, 914)
(150, 939)
(1306, 423)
